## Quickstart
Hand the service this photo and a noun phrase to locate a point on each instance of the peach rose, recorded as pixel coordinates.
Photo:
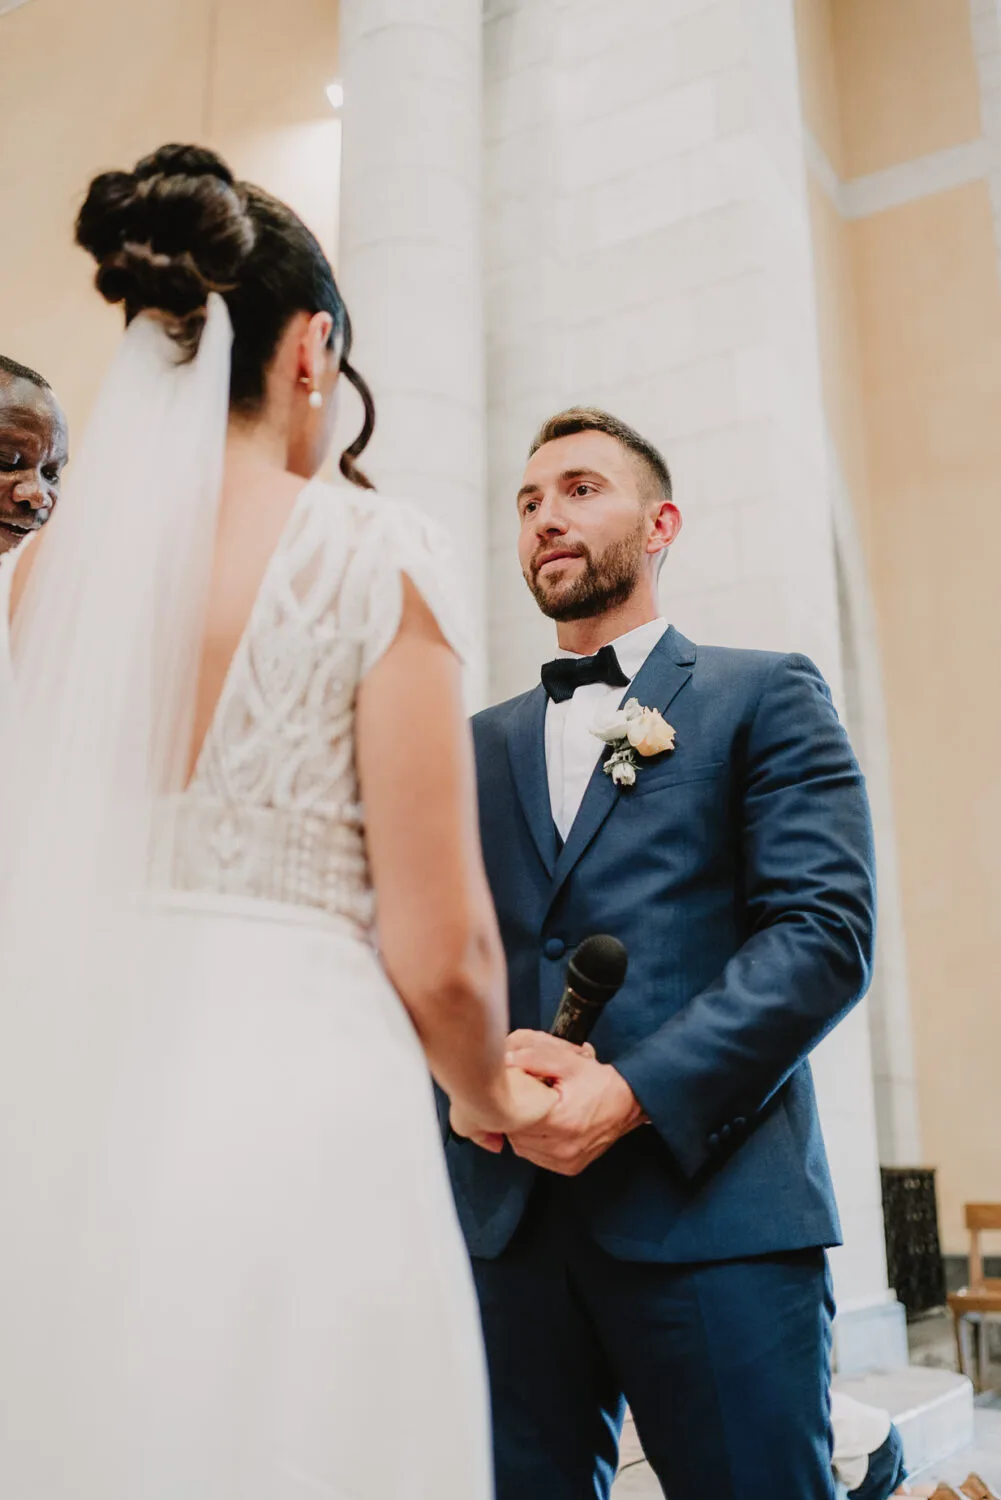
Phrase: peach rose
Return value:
(649, 733)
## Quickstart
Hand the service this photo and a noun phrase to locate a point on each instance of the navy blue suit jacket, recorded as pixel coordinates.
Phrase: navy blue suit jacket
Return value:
(738, 871)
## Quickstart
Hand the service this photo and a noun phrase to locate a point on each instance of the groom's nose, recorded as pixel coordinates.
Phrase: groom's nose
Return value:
(550, 519)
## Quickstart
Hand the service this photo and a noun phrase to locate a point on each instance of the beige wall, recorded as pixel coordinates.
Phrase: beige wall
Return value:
(819, 85)
(930, 325)
(907, 80)
(244, 76)
(909, 309)
(884, 81)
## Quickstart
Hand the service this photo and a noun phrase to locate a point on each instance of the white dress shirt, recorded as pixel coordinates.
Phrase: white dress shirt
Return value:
(572, 751)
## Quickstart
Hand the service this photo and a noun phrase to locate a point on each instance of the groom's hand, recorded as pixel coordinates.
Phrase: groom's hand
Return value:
(596, 1105)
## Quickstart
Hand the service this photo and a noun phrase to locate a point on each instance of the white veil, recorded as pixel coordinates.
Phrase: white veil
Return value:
(106, 654)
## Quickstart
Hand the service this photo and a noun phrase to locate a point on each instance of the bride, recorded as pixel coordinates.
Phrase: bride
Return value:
(243, 910)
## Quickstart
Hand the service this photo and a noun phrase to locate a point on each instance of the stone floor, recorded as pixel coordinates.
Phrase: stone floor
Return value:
(983, 1457)
(636, 1477)
(931, 1344)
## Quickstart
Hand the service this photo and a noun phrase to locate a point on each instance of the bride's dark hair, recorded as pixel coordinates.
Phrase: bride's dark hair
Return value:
(177, 227)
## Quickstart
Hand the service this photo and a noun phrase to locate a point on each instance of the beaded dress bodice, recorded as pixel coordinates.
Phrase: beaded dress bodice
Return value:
(272, 811)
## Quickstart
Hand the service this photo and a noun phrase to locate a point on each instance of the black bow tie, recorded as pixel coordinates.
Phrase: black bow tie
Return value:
(562, 678)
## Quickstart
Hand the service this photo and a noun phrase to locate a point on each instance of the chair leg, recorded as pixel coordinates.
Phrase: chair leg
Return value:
(957, 1328)
(965, 1352)
(983, 1356)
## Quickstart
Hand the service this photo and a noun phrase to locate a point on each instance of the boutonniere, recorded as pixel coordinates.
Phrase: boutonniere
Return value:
(631, 731)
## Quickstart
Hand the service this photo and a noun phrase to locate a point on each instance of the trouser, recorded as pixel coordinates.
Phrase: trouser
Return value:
(724, 1365)
(886, 1471)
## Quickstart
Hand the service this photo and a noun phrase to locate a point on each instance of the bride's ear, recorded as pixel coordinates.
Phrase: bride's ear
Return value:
(318, 362)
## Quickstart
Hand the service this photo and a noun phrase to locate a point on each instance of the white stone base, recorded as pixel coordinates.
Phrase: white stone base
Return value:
(871, 1337)
(932, 1409)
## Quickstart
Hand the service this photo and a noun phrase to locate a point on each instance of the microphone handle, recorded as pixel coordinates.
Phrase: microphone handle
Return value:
(575, 1018)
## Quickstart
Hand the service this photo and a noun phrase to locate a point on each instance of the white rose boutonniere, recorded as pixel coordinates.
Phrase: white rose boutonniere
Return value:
(615, 726)
(633, 730)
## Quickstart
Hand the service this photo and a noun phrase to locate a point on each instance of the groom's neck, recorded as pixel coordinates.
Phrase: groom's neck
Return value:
(586, 637)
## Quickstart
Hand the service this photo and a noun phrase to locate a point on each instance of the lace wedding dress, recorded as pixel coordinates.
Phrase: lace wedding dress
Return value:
(278, 1299)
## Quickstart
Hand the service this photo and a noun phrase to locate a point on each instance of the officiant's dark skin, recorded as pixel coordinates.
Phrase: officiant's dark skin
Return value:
(594, 531)
(33, 452)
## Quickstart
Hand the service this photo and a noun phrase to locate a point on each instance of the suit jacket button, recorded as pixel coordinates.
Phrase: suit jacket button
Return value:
(554, 947)
(726, 1132)
(740, 1123)
(714, 1142)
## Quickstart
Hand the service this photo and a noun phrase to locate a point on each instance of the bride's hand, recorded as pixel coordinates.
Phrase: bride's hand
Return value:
(520, 1101)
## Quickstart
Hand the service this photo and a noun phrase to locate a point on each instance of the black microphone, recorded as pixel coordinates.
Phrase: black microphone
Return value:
(594, 974)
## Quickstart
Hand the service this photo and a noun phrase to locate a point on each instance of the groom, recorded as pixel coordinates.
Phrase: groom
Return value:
(659, 1239)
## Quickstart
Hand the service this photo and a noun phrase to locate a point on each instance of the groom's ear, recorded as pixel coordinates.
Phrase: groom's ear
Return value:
(667, 522)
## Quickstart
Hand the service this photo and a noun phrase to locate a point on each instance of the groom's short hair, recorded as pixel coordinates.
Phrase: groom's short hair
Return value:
(593, 419)
(15, 371)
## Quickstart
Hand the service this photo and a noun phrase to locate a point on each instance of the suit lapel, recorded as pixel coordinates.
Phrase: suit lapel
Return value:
(656, 684)
(526, 748)
(664, 673)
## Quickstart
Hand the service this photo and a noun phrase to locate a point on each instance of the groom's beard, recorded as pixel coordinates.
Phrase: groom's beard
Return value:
(605, 581)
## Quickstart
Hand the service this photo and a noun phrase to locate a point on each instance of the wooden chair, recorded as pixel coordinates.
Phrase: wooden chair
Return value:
(978, 1301)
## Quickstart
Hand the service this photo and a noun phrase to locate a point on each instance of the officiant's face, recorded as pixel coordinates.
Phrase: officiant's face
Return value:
(585, 522)
(33, 454)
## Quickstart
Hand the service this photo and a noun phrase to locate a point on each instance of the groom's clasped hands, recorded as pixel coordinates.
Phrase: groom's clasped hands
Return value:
(592, 1105)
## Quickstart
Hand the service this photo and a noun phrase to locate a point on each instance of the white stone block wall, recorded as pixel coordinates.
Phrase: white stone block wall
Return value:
(647, 249)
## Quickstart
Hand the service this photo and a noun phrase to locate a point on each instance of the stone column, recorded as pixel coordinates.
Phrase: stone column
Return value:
(985, 21)
(894, 1080)
(411, 259)
(648, 250)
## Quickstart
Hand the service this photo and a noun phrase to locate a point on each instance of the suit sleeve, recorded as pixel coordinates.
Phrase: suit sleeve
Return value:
(809, 896)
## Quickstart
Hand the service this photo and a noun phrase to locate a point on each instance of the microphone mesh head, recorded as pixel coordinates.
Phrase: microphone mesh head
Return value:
(598, 967)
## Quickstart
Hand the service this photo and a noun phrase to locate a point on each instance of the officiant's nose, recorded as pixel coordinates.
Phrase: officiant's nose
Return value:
(30, 492)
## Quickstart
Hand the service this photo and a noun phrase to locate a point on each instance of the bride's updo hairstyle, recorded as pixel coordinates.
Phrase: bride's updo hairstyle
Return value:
(177, 227)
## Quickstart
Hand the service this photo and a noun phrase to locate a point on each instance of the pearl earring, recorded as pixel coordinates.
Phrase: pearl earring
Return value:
(315, 399)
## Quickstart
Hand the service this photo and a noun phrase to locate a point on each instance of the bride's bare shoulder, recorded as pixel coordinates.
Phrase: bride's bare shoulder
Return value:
(378, 525)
